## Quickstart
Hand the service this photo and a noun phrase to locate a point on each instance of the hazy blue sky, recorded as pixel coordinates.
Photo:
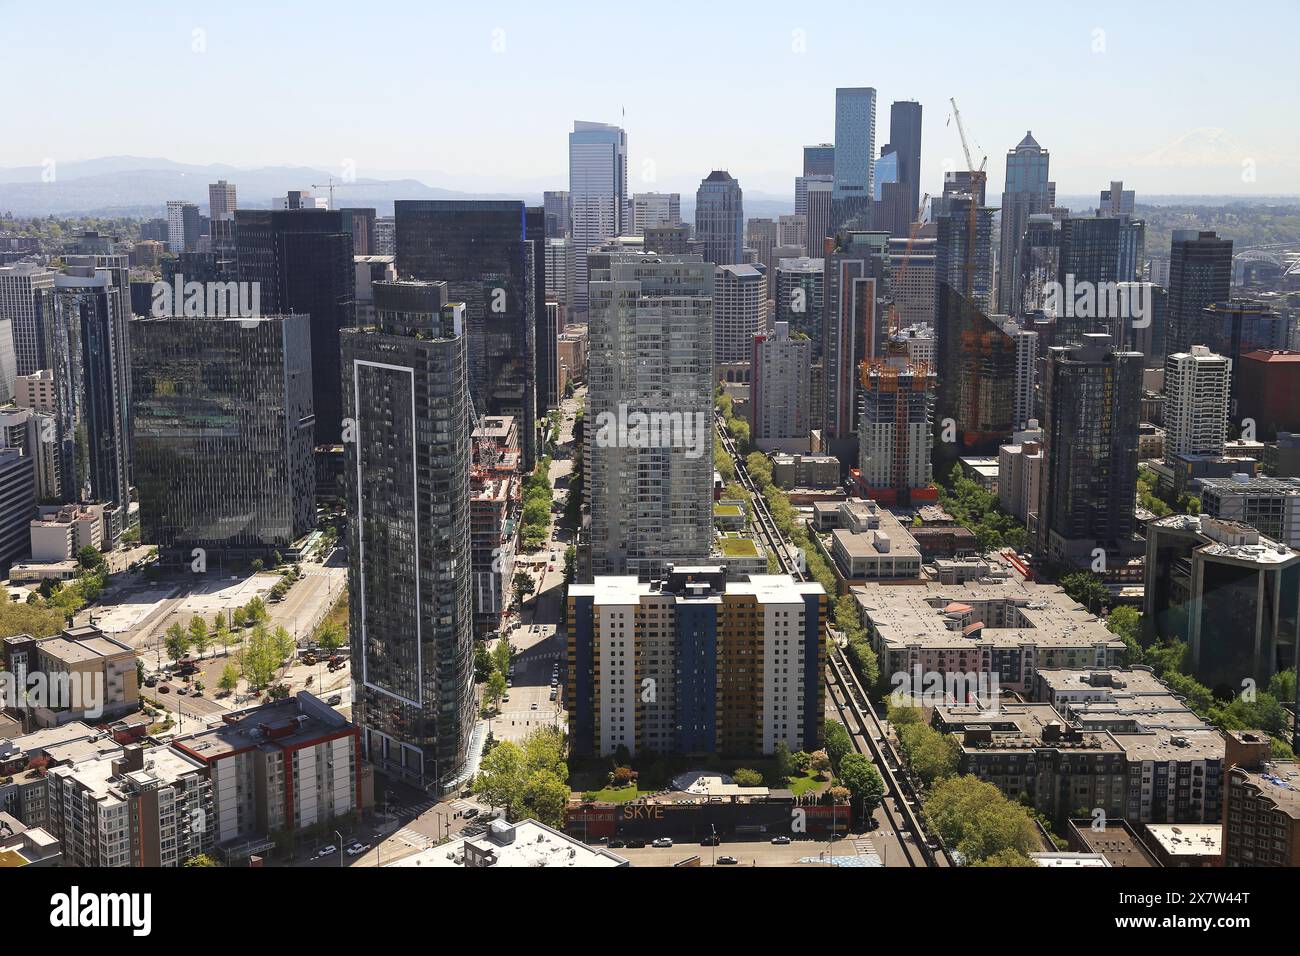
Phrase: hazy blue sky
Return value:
(1170, 96)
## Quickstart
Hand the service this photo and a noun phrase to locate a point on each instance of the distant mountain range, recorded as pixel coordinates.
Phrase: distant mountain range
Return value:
(142, 186)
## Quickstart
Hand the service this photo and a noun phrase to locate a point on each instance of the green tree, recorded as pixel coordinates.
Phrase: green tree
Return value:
(229, 678)
(747, 777)
(501, 781)
(544, 752)
(1086, 588)
(1008, 858)
(330, 635)
(819, 763)
(90, 559)
(974, 818)
(523, 586)
(200, 860)
(284, 644)
(838, 743)
(547, 796)
(501, 654)
(495, 689)
(176, 640)
(863, 781)
(30, 618)
(784, 761)
(931, 755)
(198, 633)
(482, 662)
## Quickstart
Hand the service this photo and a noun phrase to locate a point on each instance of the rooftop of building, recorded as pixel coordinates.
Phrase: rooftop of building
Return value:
(39, 741)
(1242, 483)
(1110, 684)
(1039, 614)
(1115, 841)
(294, 721)
(737, 546)
(81, 651)
(1279, 782)
(1062, 859)
(1012, 727)
(695, 584)
(1187, 839)
(1166, 746)
(1230, 539)
(527, 843)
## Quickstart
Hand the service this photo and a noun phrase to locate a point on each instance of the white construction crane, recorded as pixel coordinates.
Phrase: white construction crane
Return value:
(961, 131)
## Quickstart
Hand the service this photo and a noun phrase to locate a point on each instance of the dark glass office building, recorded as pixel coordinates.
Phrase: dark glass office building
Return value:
(545, 333)
(1200, 274)
(302, 259)
(407, 477)
(85, 338)
(1089, 255)
(1092, 401)
(485, 252)
(223, 434)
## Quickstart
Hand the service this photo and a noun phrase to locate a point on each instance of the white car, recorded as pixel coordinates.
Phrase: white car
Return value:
(327, 850)
(357, 849)
(662, 843)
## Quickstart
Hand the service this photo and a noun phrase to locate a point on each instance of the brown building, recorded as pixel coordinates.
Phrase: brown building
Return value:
(1112, 838)
(1261, 819)
(1268, 391)
(80, 675)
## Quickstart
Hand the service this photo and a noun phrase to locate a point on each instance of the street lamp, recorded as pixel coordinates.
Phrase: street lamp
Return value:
(340, 837)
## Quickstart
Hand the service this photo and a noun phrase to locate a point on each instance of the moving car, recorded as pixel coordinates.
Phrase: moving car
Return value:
(357, 849)
(727, 861)
(780, 840)
(662, 843)
(327, 850)
(534, 707)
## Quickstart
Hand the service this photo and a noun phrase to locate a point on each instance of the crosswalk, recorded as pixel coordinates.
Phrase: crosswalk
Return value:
(412, 839)
(867, 849)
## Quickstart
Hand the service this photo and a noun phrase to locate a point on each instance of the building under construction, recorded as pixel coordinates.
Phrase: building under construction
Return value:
(894, 427)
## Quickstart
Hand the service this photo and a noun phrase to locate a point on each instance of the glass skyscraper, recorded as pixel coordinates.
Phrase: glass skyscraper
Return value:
(598, 201)
(223, 433)
(405, 389)
(302, 260)
(486, 253)
(720, 219)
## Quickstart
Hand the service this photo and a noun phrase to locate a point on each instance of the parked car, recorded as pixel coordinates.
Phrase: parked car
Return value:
(534, 707)
(616, 844)
(334, 700)
(471, 813)
(635, 844)
(327, 850)
(662, 843)
(780, 840)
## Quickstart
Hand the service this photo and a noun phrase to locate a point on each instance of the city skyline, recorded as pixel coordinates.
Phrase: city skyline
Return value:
(1195, 142)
